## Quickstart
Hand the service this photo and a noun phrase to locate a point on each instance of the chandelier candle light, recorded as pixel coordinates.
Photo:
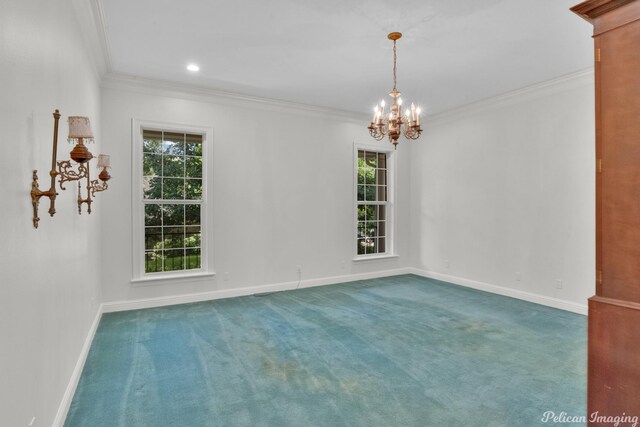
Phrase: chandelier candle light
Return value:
(394, 123)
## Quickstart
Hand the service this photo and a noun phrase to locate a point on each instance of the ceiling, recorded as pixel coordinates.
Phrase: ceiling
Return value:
(335, 53)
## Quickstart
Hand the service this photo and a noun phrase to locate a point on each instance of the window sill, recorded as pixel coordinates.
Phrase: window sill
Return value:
(375, 258)
(155, 280)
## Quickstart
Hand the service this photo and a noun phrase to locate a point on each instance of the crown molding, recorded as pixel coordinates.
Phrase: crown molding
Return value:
(117, 81)
(101, 28)
(90, 17)
(592, 9)
(582, 78)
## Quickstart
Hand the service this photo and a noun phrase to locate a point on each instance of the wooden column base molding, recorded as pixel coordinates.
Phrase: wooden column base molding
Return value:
(614, 358)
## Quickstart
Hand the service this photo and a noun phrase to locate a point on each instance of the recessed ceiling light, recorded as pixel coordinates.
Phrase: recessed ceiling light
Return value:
(193, 67)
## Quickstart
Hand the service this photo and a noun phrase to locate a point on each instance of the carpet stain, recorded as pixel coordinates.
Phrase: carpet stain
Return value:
(397, 351)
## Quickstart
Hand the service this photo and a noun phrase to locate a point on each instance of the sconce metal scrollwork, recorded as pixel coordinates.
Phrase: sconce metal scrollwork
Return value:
(79, 130)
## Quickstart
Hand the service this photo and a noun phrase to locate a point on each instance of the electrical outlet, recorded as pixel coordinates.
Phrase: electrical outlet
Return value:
(518, 276)
(558, 284)
(33, 422)
(299, 269)
(225, 276)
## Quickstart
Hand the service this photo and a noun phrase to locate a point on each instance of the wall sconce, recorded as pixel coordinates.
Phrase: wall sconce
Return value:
(79, 131)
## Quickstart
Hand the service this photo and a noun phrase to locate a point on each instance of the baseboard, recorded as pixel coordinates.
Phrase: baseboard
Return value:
(109, 307)
(63, 409)
(354, 277)
(500, 290)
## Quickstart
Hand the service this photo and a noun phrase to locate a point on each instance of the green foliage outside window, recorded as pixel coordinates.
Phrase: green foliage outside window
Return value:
(372, 197)
(172, 175)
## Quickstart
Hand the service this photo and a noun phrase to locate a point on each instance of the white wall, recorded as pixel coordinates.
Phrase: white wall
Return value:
(282, 188)
(49, 278)
(506, 186)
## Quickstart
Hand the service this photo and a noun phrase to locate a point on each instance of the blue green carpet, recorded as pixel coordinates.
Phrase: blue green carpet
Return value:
(398, 351)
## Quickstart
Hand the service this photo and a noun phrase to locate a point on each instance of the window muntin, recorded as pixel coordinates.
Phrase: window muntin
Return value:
(372, 188)
(172, 196)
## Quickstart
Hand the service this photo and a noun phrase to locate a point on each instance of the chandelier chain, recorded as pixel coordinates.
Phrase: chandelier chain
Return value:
(394, 65)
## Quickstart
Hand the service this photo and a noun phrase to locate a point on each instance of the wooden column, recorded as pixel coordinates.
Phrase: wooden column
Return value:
(614, 312)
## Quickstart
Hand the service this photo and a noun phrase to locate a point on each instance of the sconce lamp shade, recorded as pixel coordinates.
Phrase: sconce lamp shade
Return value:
(104, 161)
(80, 127)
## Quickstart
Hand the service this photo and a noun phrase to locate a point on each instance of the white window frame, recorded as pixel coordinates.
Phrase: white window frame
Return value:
(390, 204)
(139, 277)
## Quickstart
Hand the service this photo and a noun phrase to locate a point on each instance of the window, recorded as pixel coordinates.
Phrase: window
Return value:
(374, 196)
(170, 202)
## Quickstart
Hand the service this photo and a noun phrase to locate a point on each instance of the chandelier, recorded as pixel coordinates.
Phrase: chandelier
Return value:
(394, 123)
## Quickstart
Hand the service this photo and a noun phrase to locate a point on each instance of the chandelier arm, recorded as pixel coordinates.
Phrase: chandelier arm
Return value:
(412, 132)
(376, 133)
